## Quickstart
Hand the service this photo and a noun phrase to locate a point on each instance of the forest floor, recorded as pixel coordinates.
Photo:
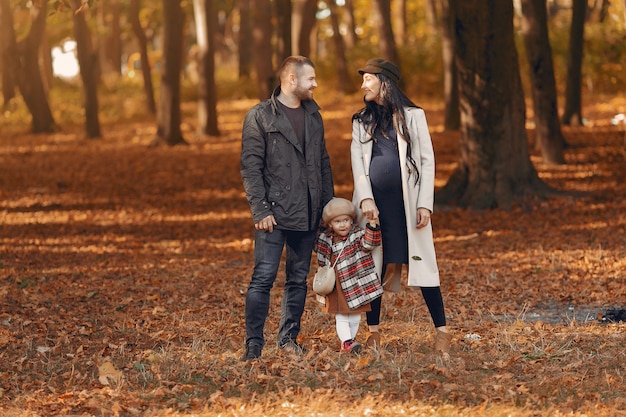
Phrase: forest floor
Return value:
(124, 267)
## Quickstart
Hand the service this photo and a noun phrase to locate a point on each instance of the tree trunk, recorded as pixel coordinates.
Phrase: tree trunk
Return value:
(146, 71)
(88, 62)
(168, 112)
(262, 48)
(432, 15)
(452, 115)
(45, 65)
(29, 73)
(304, 18)
(206, 20)
(109, 42)
(345, 84)
(245, 39)
(283, 27)
(604, 10)
(494, 167)
(400, 22)
(548, 136)
(573, 111)
(8, 52)
(114, 40)
(387, 43)
(351, 37)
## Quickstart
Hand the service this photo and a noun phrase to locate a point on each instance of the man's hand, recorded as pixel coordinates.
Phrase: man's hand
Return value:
(267, 223)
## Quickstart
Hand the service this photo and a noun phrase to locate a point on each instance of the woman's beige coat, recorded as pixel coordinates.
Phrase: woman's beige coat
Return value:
(422, 268)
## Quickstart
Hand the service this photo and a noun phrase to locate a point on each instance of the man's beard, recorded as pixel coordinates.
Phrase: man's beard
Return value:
(303, 94)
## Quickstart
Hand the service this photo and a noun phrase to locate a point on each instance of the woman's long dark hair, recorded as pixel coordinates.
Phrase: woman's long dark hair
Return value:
(380, 116)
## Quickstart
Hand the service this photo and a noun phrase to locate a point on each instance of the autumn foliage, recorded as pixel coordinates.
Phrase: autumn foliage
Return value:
(123, 271)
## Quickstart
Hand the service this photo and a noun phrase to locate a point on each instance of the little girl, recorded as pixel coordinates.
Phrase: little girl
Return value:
(347, 246)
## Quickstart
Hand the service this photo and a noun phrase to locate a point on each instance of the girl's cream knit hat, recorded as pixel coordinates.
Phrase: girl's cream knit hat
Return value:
(336, 207)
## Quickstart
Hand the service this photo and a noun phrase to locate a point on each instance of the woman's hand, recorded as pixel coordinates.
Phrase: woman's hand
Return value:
(369, 209)
(423, 217)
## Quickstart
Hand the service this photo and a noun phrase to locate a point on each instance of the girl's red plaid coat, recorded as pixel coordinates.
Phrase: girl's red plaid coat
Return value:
(355, 268)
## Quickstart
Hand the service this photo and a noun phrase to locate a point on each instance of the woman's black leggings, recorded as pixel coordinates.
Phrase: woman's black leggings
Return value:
(432, 297)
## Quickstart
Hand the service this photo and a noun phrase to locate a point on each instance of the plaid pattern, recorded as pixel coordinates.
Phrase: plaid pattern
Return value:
(355, 268)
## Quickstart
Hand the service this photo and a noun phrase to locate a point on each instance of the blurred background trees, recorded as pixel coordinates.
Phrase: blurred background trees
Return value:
(251, 37)
(80, 62)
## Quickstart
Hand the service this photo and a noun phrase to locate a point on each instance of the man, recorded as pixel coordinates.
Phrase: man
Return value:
(287, 179)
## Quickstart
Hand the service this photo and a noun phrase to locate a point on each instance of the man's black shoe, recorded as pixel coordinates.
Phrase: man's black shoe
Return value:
(253, 351)
(291, 346)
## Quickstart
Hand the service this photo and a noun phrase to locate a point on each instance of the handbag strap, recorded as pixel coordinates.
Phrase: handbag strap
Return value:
(340, 252)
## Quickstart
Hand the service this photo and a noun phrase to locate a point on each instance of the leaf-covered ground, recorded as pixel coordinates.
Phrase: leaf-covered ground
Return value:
(123, 271)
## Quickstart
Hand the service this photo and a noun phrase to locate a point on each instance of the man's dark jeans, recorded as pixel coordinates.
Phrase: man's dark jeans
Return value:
(268, 249)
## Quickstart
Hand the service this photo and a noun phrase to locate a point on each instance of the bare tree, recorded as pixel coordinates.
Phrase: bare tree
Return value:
(88, 62)
(340, 51)
(434, 10)
(548, 136)
(283, 29)
(7, 53)
(303, 24)
(262, 50)
(109, 39)
(387, 43)
(245, 39)
(452, 116)
(22, 65)
(400, 24)
(146, 71)
(494, 167)
(206, 21)
(168, 113)
(351, 37)
(572, 114)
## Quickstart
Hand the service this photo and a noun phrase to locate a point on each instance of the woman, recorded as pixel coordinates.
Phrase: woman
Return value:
(393, 165)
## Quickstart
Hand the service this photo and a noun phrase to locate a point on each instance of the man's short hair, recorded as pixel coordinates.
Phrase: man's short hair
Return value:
(296, 61)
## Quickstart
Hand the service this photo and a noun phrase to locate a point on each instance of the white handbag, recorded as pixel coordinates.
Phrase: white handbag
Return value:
(325, 278)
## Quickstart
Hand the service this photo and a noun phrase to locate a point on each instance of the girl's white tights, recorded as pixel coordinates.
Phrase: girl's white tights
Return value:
(347, 325)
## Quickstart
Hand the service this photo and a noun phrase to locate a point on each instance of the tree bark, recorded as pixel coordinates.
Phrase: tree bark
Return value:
(114, 42)
(452, 115)
(8, 51)
(351, 37)
(28, 72)
(548, 136)
(142, 40)
(88, 61)
(399, 14)
(572, 115)
(387, 43)
(45, 64)
(304, 22)
(262, 50)
(341, 64)
(283, 27)
(206, 21)
(109, 41)
(432, 13)
(245, 39)
(168, 112)
(494, 167)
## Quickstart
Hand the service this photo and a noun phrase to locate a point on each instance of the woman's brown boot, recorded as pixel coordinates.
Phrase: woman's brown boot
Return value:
(442, 342)
(373, 340)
